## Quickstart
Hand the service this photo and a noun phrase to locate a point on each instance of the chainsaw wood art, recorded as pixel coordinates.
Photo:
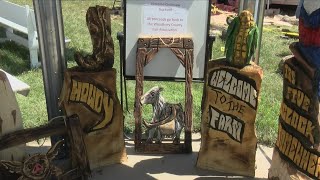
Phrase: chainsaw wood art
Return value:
(99, 25)
(167, 119)
(89, 90)
(40, 166)
(169, 114)
(230, 102)
(37, 166)
(297, 150)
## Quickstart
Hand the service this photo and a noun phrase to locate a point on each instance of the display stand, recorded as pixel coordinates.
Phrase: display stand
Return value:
(147, 48)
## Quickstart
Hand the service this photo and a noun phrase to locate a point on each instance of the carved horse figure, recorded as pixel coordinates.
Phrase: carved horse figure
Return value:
(168, 119)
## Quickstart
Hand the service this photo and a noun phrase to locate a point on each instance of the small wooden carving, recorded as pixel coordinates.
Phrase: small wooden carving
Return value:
(99, 24)
(167, 120)
(242, 39)
(36, 167)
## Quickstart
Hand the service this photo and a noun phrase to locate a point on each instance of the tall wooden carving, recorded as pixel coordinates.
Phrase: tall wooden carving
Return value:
(90, 92)
(297, 151)
(147, 49)
(230, 101)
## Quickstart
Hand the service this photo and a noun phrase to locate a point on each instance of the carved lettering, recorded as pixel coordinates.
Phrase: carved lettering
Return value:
(236, 85)
(298, 122)
(305, 159)
(95, 99)
(289, 74)
(228, 124)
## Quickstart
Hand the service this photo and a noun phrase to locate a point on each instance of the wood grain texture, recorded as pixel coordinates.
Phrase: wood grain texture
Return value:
(228, 142)
(146, 50)
(297, 153)
(26, 135)
(92, 96)
(79, 157)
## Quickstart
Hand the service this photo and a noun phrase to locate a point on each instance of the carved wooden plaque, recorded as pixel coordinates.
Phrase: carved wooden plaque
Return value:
(229, 141)
(92, 96)
(10, 118)
(148, 47)
(297, 151)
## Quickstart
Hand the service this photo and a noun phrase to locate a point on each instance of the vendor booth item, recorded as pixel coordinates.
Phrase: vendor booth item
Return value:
(230, 102)
(89, 91)
(297, 151)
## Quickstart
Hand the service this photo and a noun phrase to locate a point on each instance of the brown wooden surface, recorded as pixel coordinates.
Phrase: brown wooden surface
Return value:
(171, 42)
(79, 155)
(297, 153)
(26, 135)
(103, 126)
(228, 148)
(147, 49)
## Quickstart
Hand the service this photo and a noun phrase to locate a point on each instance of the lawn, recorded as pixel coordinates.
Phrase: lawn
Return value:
(15, 59)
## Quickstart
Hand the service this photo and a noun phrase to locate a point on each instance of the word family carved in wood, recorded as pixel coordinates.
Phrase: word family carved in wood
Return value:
(297, 153)
(228, 118)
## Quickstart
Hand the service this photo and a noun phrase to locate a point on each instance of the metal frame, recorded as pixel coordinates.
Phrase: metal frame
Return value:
(52, 49)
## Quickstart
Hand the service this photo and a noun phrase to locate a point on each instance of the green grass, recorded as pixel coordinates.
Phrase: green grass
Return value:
(15, 59)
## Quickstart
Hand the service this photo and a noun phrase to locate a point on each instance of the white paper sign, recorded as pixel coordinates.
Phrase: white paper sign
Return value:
(163, 17)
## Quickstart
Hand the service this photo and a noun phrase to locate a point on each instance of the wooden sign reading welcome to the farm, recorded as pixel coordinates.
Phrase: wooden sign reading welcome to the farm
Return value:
(229, 111)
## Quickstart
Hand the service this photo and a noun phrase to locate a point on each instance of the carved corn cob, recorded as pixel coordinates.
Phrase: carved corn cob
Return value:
(242, 39)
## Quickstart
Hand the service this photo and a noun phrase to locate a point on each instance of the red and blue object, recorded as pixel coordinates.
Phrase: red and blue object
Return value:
(309, 36)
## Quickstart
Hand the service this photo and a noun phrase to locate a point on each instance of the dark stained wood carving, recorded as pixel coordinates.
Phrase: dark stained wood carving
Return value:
(79, 158)
(146, 50)
(26, 135)
(99, 25)
(37, 166)
(297, 154)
